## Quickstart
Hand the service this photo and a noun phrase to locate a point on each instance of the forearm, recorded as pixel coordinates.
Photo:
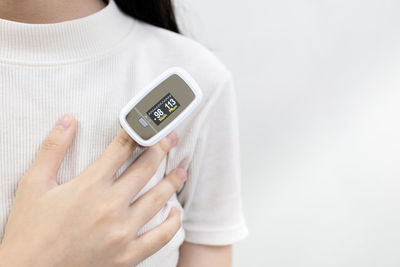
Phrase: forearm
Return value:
(194, 255)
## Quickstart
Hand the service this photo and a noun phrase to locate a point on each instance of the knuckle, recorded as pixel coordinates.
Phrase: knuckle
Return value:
(164, 145)
(113, 205)
(131, 257)
(167, 235)
(132, 254)
(175, 182)
(50, 144)
(27, 180)
(136, 252)
(121, 261)
(93, 174)
(87, 186)
(153, 157)
(150, 165)
(171, 229)
(156, 152)
(158, 198)
(117, 202)
(107, 211)
(100, 215)
(123, 139)
(118, 236)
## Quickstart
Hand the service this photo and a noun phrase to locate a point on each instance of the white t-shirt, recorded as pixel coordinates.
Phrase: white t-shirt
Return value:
(91, 67)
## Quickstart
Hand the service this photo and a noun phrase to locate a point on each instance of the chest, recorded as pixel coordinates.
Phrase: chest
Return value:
(33, 98)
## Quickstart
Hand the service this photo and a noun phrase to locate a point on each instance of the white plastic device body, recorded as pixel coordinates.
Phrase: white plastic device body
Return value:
(191, 83)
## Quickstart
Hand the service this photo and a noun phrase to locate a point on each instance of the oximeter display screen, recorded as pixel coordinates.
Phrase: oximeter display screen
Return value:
(165, 107)
(161, 105)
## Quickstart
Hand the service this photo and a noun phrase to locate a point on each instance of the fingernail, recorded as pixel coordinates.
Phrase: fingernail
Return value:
(181, 174)
(173, 138)
(64, 122)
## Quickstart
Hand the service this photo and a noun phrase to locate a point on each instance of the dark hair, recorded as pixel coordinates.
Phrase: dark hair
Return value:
(156, 12)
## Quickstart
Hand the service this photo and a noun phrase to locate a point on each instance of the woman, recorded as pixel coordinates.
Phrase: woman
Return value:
(86, 199)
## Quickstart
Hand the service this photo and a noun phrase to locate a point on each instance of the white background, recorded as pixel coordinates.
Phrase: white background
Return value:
(318, 86)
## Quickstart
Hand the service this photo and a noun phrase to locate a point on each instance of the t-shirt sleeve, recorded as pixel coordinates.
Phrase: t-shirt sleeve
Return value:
(211, 196)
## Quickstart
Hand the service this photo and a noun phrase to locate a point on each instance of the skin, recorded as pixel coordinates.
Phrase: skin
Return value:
(191, 255)
(47, 11)
(89, 221)
(194, 255)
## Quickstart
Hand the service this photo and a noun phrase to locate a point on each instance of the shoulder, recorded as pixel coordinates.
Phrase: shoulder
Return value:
(159, 49)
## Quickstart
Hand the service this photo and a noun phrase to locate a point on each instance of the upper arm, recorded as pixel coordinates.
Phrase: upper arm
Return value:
(211, 197)
(194, 255)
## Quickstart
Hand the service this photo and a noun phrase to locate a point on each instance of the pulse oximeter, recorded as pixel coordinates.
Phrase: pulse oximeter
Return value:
(160, 106)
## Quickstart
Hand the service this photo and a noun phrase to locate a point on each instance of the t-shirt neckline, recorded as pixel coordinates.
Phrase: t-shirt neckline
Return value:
(66, 40)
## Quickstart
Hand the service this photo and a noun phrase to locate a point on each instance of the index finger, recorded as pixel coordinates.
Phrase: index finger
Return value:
(117, 152)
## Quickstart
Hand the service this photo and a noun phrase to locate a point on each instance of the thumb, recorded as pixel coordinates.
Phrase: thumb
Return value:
(52, 152)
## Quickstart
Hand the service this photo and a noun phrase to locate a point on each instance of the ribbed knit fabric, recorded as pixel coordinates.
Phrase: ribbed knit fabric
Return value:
(91, 67)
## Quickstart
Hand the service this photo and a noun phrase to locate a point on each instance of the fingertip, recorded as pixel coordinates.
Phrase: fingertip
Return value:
(181, 173)
(64, 122)
(67, 124)
(74, 123)
(73, 119)
(173, 138)
(54, 148)
(65, 127)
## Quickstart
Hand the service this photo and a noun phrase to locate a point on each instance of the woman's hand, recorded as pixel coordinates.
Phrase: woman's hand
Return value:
(89, 221)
